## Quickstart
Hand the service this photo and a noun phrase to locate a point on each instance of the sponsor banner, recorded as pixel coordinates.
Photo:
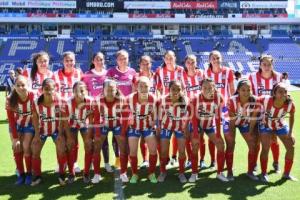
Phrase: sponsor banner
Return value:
(264, 15)
(206, 16)
(228, 4)
(94, 15)
(202, 5)
(147, 5)
(51, 15)
(151, 15)
(263, 4)
(36, 4)
(13, 15)
(100, 4)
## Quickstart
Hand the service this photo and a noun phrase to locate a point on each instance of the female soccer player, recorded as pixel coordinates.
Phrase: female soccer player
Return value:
(143, 108)
(173, 115)
(224, 82)
(39, 72)
(262, 84)
(19, 113)
(276, 107)
(206, 107)
(94, 79)
(163, 76)
(110, 113)
(192, 77)
(243, 114)
(49, 120)
(80, 115)
(65, 79)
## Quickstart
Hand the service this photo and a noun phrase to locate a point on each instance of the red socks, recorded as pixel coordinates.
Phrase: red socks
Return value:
(287, 166)
(181, 164)
(194, 163)
(36, 166)
(251, 162)
(152, 163)
(212, 150)
(28, 163)
(96, 162)
(220, 161)
(19, 161)
(61, 163)
(133, 163)
(175, 146)
(188, 149)
(88, 156)
(275, 151)
(202, 147)
(163, 163)
(263, 164)
(143, 147)
(229, 161)
(71, 161)
(124, 162)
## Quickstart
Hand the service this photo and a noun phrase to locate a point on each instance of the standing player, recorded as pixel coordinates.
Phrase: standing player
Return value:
(49, 120)
(65, 79)
(206, 107)
(168, 72)
(192, 77)
(262, 84)
(276, 107)
(110, 114)
(172, 115)
(143, 108)
(39, 72)
(223, 78)
(19, 113)
(10, 82)
(94, 79)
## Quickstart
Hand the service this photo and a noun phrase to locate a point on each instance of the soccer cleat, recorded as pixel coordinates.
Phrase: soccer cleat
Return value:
(202, 164)
(173, 161)
(276, 167)
(182, 178)
(36, 180)
(96, 179)
(162, 177)
(117, 163)
(20, 179)
(188, 164)
(289, 177)
(124, 178)
(212, 165)
(76, 168)
(86, 178)
(28, 179)
(62, 180)
(108, 168)
(193, 178)
(221, 177)
(264, 178)
(252, 176)
(144, 165)
(152, 178)
(71, 179)
(230, 177)
(134, 179)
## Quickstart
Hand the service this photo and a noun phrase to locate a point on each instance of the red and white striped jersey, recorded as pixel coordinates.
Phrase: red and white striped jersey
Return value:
(274, 117)
(152, 81)
(109, 114)
(143, 114)
(79, 113)
(22, 115)
(36, 84)
(172, 117)
(242, 113)
(222, 80)
(50, 116)
(206, 110)
(64, 82)
(163, 77)
(262, 86)
(192, 83)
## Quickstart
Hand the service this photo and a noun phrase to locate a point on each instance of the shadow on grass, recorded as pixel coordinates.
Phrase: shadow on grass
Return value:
(50, 189)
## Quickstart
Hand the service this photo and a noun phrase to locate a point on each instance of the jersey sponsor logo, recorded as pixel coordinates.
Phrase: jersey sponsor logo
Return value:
(36, 85)
(193, 88)
(21, 113)
(220, 85)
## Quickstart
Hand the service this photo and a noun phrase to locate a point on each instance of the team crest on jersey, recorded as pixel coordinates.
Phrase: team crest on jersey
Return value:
(36, 85)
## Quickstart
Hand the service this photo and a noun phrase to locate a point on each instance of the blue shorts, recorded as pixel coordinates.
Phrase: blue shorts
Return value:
(244, 129)
(53, 136)
(26, 129)
(116, 130)
(137, 133)
(282, 131)
(166, 134)
(225, 126)
(208, 131)
(82, 130)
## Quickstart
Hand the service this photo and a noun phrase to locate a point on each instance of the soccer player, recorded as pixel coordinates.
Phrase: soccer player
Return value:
(143, 107)
(19, 113)
(39, 72)
(172, 115)
(276, 107)
(262, 84)
(94, 79)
